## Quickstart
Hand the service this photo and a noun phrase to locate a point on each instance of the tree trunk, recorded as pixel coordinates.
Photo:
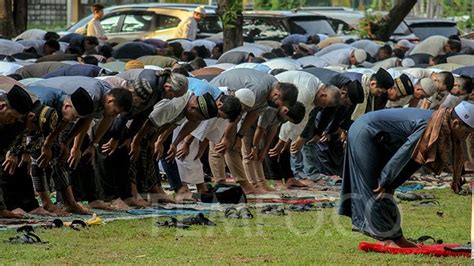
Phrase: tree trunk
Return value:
(232, 32)
(20, 15)
(390, 22)
(7, 28)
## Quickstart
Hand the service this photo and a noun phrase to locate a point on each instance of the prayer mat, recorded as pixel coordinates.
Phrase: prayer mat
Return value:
(432, 250)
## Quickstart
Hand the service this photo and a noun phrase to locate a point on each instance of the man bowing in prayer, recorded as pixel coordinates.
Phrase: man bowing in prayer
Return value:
(385, 148)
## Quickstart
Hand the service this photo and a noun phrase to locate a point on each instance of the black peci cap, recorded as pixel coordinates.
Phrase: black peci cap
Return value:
(20, 100)
(82, 102)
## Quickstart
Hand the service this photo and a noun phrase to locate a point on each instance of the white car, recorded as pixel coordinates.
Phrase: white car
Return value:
(151, 20)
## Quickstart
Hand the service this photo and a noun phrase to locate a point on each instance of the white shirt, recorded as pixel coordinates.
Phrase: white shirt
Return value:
(283, 63)
(308, 85)
(8, 47)
(32, 34)
(338, 57)
(187, 29)
(167, 111)
(432, 45)
(312, 60)
(7, 68)
(94, 28)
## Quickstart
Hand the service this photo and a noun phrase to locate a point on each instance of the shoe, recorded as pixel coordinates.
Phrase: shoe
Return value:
(199, 219)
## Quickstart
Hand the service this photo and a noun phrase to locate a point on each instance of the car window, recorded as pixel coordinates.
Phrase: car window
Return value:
(210, 24)
(165, 22)
(265, 28)
(424, 31)
(137, 22)
(311, 26)
(109, 24)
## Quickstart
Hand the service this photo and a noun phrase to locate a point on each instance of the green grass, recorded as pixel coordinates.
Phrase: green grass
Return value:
(298, 238)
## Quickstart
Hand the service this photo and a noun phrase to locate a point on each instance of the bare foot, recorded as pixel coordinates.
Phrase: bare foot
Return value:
(247, 187)
(184, 197)
(404, 243)
(162, 198)
(265, 186)
(279, 185)
(388, 243)
(19, 211)
(10, 215)
(77, 208)
(101, 205)
(307, 182)
(55, 210)
(132, 202)
(120, 205)
(41, 211)
(293, 183)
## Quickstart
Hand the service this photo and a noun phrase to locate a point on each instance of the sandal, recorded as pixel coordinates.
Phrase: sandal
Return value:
(199, 219)
(464, 248)
(424, 239)
(172, 223)
(245, 213)
(56, 223)
(274, 209)
(231, 213)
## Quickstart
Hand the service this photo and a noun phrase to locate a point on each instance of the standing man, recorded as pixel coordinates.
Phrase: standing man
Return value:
(94, 28)
(188, 28)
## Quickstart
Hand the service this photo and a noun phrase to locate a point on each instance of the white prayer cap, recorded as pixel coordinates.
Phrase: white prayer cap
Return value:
(246, 96)
(428, 86)
(360, 55)
(405, 43)
(465, 111)
(200, 10)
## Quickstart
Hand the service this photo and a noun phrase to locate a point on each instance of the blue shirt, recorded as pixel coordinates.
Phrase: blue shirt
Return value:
(49, 96)
(200, 87)
(294, 39)
(84, 70)
(96, 88)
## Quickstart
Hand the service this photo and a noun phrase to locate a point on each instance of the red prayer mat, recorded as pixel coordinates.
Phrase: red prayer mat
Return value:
(433, 250)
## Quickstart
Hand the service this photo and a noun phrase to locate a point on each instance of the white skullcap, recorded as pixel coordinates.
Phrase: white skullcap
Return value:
(200, 10)
(465, 111)
(428, 86)
(405, 43)
(408, 62)
(360, 55)
(246, 96)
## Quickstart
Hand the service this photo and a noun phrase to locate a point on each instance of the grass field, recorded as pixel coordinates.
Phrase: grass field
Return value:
(299, 238)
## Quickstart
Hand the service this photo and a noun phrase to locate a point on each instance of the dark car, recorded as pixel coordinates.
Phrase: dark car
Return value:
(413, 28)
(276, 25)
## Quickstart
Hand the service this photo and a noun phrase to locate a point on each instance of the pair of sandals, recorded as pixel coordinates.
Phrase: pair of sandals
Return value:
(199, 219)
(302, 207)
(76, 225)
(28, 237)
(242, 213)
(274, 210)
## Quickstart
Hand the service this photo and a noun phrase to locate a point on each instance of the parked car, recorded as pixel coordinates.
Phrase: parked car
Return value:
(276, 25)
(413, 28)
(151, 20)
(341, 18)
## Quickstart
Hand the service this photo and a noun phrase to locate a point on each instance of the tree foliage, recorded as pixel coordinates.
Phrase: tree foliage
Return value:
(278, 4)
